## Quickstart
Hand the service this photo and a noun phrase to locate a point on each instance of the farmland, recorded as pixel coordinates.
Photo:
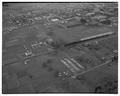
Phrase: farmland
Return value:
(36, 60)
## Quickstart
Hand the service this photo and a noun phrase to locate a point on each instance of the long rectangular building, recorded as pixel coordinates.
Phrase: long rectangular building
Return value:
(90, 38)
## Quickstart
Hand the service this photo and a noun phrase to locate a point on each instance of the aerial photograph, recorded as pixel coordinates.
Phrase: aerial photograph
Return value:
(59, 47)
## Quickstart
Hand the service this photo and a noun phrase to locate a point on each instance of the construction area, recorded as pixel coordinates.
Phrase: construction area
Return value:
(59, 48)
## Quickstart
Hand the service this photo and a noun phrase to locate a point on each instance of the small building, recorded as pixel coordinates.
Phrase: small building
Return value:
(73, 22)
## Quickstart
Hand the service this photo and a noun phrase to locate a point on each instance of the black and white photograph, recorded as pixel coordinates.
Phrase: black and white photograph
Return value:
(59, 47)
